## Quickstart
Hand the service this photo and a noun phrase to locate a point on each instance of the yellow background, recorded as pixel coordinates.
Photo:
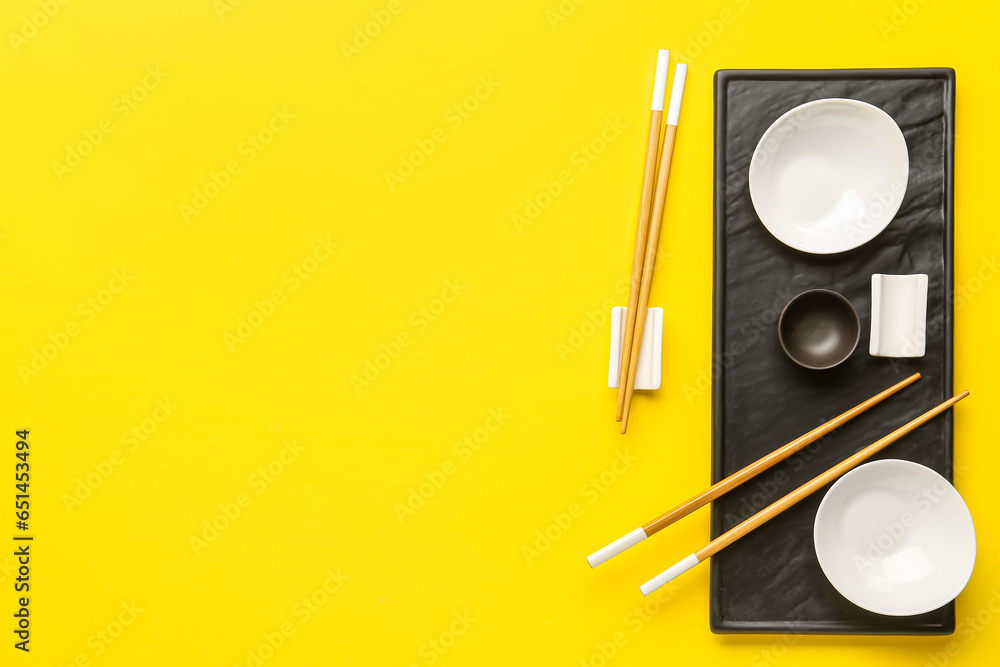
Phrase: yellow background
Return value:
(525, 295)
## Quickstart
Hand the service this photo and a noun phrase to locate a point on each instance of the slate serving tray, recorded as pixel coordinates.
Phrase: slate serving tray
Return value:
(770, 581)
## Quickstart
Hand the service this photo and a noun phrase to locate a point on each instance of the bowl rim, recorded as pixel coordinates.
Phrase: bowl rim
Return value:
(841, 297)
(923, 469)
(755, 166)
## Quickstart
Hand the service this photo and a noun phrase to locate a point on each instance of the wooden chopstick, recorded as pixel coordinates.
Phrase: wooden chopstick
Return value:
(662, 177)
(737, 478)
(642, 227)
(776, 508)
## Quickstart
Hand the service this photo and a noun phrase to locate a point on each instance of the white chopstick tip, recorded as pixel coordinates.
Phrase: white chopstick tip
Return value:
(616, 547)
(669, 575)
(660, 80)
(677, 94)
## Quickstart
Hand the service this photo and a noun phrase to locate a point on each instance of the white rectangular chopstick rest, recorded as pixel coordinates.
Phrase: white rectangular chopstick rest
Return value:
(899, 315)
(616, 547)
(649, 368)
(667, 575)
(677, 94)
(660, 80)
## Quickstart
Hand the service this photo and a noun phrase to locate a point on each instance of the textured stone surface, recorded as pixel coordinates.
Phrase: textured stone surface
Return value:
(770, 581)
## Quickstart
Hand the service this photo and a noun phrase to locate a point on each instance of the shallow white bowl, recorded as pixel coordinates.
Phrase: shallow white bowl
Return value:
(829, 175)
(895, 538)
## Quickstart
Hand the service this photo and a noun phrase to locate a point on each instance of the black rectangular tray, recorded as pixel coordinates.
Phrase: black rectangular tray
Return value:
(770, 581)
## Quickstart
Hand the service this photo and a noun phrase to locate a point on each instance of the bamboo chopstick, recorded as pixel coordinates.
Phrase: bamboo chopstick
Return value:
(642, 227)
(737, 478)
(776, 508)
(627, 387)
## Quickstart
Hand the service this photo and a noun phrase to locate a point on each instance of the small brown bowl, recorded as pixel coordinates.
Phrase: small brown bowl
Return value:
(819, 329)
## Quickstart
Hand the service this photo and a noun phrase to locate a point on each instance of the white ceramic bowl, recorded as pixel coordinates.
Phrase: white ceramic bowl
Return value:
(829, 175)
(895, 538)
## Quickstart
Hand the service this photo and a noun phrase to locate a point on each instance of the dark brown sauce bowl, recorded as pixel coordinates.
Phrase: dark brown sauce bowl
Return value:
(819, 329)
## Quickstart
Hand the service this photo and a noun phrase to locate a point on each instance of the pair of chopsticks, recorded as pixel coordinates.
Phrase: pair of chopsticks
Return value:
(775, 508)
(647, 234)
